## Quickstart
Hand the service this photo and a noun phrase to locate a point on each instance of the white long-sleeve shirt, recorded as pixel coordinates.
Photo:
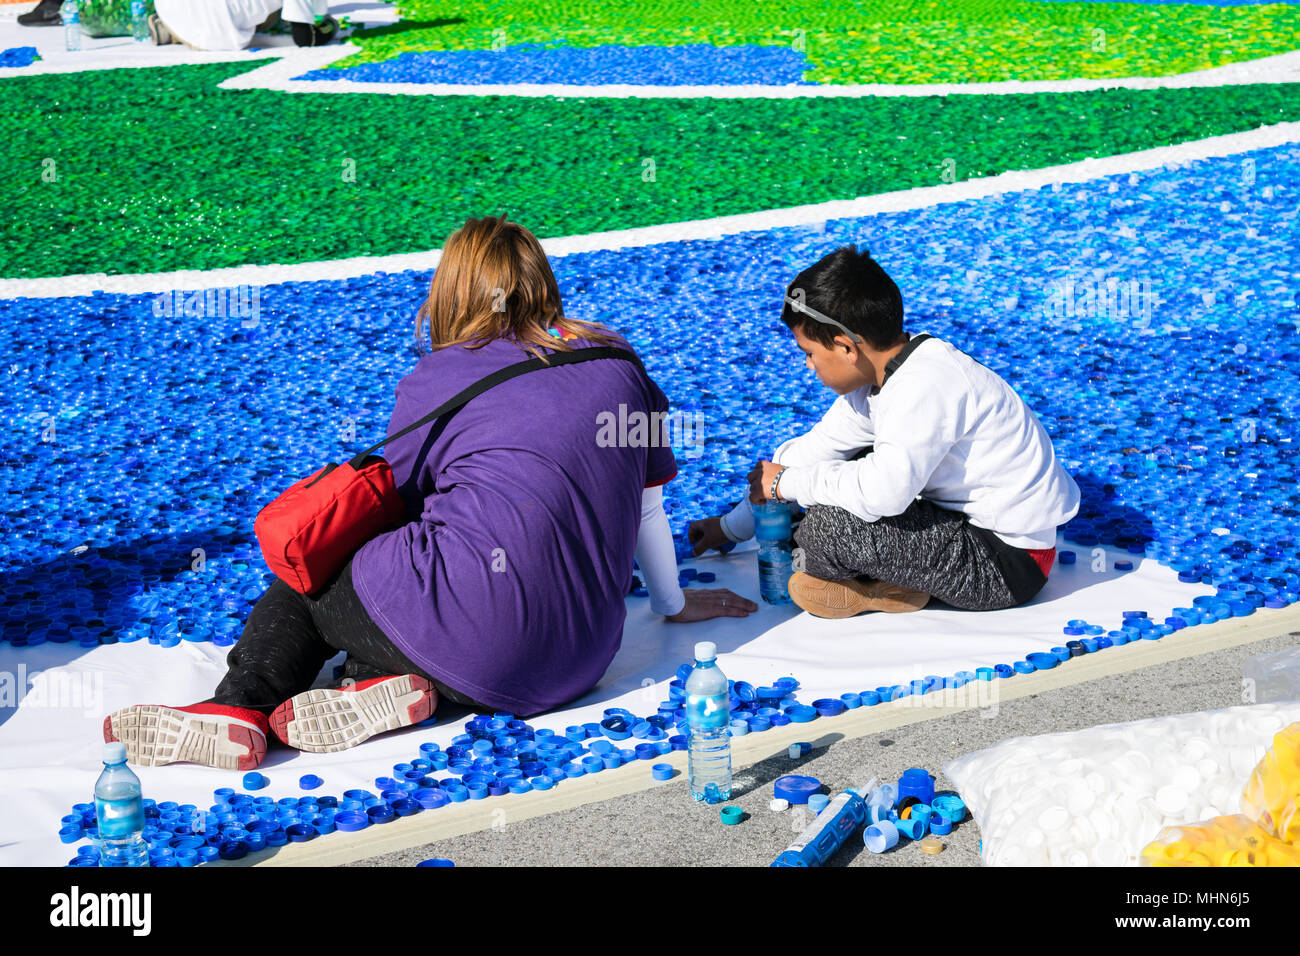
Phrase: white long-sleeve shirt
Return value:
(945, 428)
(656, 556)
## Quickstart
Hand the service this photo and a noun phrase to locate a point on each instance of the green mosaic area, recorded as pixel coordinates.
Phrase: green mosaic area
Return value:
(873, 41)
(157, 169)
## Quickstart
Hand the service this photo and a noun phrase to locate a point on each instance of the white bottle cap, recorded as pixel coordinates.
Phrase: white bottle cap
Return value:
(115, 752)
(706, 651)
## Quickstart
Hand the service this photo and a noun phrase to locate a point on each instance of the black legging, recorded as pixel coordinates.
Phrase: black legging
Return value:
(288, 637)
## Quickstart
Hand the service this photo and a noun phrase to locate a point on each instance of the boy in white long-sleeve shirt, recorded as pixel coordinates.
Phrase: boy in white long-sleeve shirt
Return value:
(928, 475)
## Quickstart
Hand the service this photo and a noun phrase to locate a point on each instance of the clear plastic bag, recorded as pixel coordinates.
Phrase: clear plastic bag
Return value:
(108, 18)
(1096, 797)
(1272, 793)
(1265, 833)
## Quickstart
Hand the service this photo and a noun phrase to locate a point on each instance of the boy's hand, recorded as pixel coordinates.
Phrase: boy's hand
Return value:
(702, 605)
(706, 535)
(760, 480)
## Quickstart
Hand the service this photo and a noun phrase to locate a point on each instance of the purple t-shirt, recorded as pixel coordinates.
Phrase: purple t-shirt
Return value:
(508, 581)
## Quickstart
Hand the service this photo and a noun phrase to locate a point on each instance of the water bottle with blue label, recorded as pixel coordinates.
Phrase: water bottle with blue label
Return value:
(119, 810)
(139, 21)
(772, 532)
(707, 718)
(70, 13)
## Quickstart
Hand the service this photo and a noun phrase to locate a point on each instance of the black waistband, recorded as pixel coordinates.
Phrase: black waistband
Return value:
(1020, 571)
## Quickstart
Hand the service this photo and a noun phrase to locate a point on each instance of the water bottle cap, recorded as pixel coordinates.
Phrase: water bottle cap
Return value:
(706, 651)
(115, 752)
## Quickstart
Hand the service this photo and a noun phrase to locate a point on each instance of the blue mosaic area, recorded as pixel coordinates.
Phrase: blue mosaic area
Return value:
(693, 64)
(146, 431)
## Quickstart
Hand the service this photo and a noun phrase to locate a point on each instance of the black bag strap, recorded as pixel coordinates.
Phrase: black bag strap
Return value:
(892, 365)
(504, 375)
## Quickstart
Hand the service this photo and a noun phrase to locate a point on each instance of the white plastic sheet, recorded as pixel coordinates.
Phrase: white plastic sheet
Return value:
(50, 743)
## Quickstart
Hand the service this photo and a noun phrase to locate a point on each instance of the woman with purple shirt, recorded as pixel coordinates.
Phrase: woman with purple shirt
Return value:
(505, 588)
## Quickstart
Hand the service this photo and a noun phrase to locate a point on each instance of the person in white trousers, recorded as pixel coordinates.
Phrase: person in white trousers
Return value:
(230, 24)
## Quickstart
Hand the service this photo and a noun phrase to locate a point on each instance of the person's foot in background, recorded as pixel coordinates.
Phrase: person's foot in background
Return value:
(45, 14)
(315, 34)
(159, 33)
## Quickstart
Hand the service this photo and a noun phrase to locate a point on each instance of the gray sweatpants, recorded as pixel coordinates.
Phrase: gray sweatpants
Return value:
(927, 548)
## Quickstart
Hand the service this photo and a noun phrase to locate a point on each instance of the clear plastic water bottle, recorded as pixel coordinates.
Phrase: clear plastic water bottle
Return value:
(707, 718)
(71, 16)
(119, 810)
(772, 532)
(139, 22)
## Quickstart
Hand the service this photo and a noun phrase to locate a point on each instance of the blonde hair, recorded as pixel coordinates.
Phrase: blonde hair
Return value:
(494, 282)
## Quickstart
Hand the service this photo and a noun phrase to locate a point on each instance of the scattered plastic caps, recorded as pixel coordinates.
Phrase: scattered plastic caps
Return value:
(911, 828)
(917, 783)
(436, 861)
(880, 800)
(799, 750)
(309, 781)
(932, 846)
(254, 780)
(880, 836)
(795, 789)
(817, 802)
(662, 771)
(732, 815)
(1042, 662)
(949, 806)
(779, 805)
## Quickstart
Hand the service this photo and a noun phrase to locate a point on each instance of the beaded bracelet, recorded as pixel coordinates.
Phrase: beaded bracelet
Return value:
(775, 479)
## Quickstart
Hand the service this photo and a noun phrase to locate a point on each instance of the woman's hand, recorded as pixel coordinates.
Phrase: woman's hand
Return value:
(702, 605)
(706, 535)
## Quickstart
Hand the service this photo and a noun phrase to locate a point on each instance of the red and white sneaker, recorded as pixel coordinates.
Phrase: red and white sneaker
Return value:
(325, 720)
(229, 738)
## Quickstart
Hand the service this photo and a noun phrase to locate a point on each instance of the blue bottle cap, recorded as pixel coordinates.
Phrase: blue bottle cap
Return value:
(880, 836)
(939, 824)
(662, 771)
(801, 713)
(739, 728)
(408, 807)
(254, 781)
(745, 691)
(795, 789)
(435, 862)
(950, 806)
(1043, 662)
(731, 815)
(1024, 667)
(301, 832)
(1003, 670)
(828, 707)
(616, 728)
(817, 802)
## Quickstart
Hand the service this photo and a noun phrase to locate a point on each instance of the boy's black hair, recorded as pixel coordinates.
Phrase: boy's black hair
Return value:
(851, 288)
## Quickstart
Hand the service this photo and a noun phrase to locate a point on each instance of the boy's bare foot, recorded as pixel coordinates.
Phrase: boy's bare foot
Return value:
(836, 599)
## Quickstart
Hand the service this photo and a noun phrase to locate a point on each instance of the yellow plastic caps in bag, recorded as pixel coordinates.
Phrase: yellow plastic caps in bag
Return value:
(1224, 841)
(1266, 833)
(1272, 793)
